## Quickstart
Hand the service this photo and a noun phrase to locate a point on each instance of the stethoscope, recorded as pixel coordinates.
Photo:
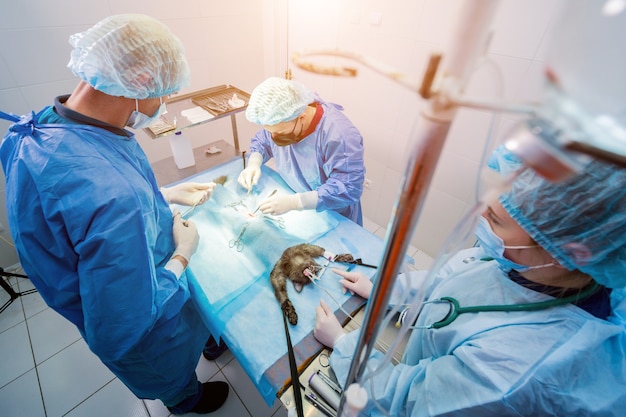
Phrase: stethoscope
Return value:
(456, 309)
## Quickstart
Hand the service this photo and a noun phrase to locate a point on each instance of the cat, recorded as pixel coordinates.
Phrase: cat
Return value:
(291, 265)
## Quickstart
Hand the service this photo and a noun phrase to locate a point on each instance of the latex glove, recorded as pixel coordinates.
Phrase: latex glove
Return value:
(249, 177)
(188, 193)
(280, 204)
(186, 237)
(355, 282)
(327, 328)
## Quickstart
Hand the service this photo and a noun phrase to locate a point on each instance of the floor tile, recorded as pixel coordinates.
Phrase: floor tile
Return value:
(70, 377)
(224, 359)
(422, 260)
(246, 390)
(114, 399)
(22, 397)
(16, 353)
(369, 225)
(50, 333)
(206, 369)
(156, 408)
(231, 408)
(12, 314)
(33, 303)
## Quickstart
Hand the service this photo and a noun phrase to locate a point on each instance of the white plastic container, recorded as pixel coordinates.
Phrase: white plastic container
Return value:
(182, 150)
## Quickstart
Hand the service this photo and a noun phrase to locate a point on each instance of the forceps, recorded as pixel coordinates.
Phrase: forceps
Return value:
(271, 194)
(189, 211)
(278, 221)
(237, 243)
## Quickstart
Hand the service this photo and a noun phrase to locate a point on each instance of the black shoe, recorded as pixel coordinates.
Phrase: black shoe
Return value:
(213, 350)
(214, 395)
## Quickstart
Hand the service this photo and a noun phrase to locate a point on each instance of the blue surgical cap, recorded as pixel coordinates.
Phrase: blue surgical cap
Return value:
(580, 221)
(130, 55)
(277, 100)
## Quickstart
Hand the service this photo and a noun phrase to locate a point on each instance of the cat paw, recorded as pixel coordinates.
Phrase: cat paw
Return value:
(343, 257)
(290, 311)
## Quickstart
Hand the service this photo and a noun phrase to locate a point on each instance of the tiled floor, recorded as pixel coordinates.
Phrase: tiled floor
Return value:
(46, 369)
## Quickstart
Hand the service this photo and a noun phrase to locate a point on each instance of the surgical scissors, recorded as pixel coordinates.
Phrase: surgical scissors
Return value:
(237, 243)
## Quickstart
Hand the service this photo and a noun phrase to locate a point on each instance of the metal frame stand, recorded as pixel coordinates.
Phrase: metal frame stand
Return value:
(13, 294)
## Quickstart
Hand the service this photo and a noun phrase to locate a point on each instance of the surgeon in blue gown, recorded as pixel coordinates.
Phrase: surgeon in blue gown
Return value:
(94, 232)
(316, 148)
(540, 241)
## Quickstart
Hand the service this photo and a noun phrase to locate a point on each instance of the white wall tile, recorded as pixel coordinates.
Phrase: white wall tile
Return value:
(36, 14)
(520, 26)
(37, 55)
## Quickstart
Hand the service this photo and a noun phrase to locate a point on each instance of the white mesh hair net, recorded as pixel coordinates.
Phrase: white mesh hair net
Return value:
(277, 100)
(580, 221)
(130, 55)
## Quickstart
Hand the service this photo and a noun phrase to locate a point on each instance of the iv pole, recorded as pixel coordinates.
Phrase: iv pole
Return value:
(435, 120)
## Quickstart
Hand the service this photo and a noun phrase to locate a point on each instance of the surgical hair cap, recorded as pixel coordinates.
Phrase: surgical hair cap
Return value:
(277, 100)
(580, 221)
(130, 55)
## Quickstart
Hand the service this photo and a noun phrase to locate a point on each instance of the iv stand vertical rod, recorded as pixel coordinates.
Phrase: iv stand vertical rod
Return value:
(434, 123)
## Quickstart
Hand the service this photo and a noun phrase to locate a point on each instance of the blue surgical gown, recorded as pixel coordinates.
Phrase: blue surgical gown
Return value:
(556, 362)
(329, 161)
(94, 233)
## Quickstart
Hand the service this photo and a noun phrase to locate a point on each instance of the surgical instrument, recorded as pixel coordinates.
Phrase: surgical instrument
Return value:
(357, 262)
(271, 194)
(219, 180)
(310, 273)
(237, 243)
(189, 211)
(278, 221)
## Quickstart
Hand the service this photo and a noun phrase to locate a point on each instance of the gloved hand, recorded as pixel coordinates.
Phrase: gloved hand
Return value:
(188, 193)
(249, 177)
(327, 328)
(280, 204)
(186, 237)
(355, 282)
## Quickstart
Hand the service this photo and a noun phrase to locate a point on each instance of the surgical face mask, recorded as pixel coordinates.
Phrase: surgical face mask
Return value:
(139, 120)
(287, 139)
(494, 248)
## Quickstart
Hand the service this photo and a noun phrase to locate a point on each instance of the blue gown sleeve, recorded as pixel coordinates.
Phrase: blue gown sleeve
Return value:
(261, 143)
(342, 162)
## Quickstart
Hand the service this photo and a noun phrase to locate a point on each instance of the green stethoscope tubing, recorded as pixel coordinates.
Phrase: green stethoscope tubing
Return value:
(456, 309)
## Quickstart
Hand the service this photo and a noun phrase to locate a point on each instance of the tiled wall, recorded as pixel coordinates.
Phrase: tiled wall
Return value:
(224, 44)
(402, 34)
(241, 42)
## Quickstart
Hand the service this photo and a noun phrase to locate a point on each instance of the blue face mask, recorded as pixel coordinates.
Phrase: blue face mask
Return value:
(138, 120)
(494, 248)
